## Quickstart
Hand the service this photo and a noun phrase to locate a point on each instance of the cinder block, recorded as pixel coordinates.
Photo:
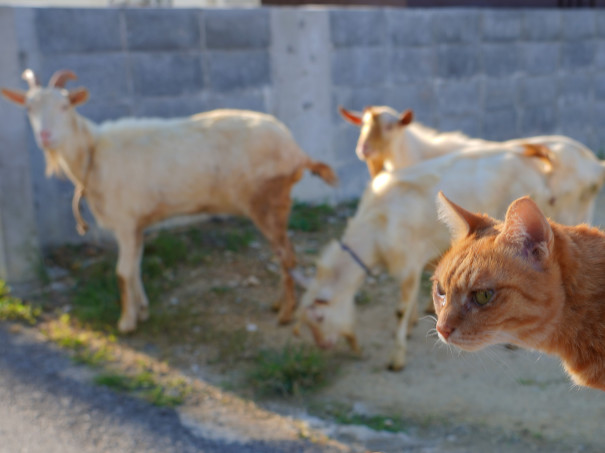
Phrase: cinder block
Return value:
(599, 60)
(359, 67)
(237, 29)
(575, 88)
(161, 74)
(357, 99)
(599, 86)
(353, 178)
(599, 15)
(499, 93)
(500, 59)
(539, 58)
(162, 29)
(457, 61)
(409, 27)
(412, 64)
(577, 116)
(536, 91)
(99, 111)
(500, 124)
(345, 140)
(542, 25)
(467, 124)
(77, 30)
(168, 107)
(104, 74)
(357, 27)
(456, 25)
(458, 97)
(577, 55)
(246, 100)
(501, 26)
(237, 70)
(538, 120)
(419, 97)
(578, 24)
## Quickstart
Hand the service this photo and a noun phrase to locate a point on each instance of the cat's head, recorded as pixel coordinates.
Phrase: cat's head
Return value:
(495, 284)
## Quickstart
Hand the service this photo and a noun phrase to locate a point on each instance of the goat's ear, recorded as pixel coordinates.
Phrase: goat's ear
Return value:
(406, 118)
(16, 96)
(78, 96)
(350, 116)
(527, 229)
(460, 221)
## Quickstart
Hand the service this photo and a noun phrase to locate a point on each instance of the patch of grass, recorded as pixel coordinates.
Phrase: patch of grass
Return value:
(169, 248)
(14, 309)
(362, 298)
(96, 298)
(309, 218)
(293, 370)
(170, 393)
(344, 415)
(88, 347)
(220, 290)
(236, 241)
(539, 384)
(234, 344)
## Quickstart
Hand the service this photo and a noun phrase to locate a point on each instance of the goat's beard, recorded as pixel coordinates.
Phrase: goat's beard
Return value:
(52, 163)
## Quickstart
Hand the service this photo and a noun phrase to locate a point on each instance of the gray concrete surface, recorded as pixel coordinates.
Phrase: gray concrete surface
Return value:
(47, 406)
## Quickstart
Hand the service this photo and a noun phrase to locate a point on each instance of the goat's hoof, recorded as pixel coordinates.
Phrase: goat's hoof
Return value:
(392, 366)
(127, 325)
(283, 320)
(276, 305)
(143, 314)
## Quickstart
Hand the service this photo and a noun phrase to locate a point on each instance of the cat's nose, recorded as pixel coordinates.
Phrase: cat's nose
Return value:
(445, 331)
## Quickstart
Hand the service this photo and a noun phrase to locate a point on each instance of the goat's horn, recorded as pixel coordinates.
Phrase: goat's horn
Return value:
(31, 79)
(60, 78)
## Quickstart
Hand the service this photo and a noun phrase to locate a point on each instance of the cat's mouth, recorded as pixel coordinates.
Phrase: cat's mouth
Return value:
(469, 344)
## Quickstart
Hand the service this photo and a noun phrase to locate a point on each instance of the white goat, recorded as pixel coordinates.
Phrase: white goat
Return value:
(396, 226)
(390, 140)
(135, 172)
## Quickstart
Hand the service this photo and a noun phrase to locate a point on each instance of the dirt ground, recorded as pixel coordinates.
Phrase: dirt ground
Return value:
(498, 400)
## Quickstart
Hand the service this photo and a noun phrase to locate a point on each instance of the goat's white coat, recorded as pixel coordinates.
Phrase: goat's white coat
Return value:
(396, 225)
(135, 172)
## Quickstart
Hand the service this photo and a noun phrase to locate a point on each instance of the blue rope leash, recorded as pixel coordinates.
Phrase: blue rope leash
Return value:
(355, 257)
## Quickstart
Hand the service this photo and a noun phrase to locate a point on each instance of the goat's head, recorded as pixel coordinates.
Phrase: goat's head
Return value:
(50, 109)
(328, 311)
(379, 128)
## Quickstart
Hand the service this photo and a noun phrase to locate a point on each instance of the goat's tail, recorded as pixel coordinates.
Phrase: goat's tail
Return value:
(322, 170)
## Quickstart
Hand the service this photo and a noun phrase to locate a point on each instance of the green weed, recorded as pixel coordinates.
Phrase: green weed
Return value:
(171, 393)
(14, 309)
(344, 415)
(292, 370)
(309, 218)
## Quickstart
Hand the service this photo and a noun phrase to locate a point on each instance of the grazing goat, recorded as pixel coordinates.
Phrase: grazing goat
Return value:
(136, 172)
(390, 140)
(396, 226)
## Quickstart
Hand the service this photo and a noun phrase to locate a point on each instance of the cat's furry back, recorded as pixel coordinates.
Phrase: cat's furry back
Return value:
(526, 281)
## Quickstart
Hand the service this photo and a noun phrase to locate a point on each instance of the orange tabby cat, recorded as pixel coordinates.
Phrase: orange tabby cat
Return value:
(526, 281)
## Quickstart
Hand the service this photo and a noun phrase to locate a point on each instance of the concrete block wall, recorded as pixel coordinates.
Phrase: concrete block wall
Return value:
(491, 73)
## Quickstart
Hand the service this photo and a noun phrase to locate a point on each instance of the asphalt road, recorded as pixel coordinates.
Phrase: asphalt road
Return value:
(44, 408)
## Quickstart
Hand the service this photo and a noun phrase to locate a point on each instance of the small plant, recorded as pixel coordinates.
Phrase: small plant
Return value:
(309, 218)
(171, 393)
(13, 309)
(362, 298)
(291, 371)
(344, 415)
(168, 247)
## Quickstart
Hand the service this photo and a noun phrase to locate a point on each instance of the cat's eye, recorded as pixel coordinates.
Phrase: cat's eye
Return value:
(482, 296)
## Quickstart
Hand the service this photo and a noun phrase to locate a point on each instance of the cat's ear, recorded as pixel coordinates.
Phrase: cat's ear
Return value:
(460, 221)
(528, 229)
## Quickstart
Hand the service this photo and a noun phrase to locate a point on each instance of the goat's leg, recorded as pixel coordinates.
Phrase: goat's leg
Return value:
(407, 315)
(130, 245)
(271, 218)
